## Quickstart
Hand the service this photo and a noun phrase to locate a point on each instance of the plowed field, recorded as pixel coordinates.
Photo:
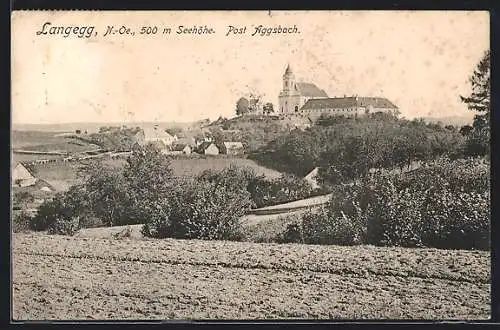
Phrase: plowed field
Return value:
(58, 277)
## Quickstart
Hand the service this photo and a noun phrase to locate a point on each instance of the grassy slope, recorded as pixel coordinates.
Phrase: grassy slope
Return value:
(58, 277)
(47, 141)
(27, 139)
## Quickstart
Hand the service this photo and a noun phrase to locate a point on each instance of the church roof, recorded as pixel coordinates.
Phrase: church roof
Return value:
(310, 90)
(348, 102)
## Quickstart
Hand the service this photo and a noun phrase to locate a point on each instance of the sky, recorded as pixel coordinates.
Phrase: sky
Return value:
(421, 61)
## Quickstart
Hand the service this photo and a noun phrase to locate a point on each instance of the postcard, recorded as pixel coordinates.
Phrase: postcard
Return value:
(250, 165)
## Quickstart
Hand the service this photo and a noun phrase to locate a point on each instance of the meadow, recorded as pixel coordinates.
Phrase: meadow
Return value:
(47, 141)
(78, 278)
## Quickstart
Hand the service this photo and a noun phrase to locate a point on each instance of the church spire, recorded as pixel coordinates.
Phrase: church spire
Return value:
(288, 69)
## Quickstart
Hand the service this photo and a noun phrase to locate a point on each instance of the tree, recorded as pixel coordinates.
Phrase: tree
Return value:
(242, 106)
(148, 173)
(107, 194)
(466, 130)
(479, 99)
(255, 100)
(174, 131)
(268, 108)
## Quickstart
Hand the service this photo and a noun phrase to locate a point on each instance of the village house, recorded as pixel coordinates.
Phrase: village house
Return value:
(312, 178)
(24, 180)
(22, 177)
(232, 148)
(180, 149)
(155, 134)
(208, 148)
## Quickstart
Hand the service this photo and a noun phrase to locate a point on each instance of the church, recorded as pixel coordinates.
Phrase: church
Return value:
(308, 99)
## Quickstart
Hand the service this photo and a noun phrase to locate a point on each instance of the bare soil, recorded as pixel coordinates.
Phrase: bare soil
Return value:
(58, 277)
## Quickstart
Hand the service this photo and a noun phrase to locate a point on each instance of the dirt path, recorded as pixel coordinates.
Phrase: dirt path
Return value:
(56, 277)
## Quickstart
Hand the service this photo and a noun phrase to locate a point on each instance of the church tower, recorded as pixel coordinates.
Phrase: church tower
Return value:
(288, 79)
(289, 98)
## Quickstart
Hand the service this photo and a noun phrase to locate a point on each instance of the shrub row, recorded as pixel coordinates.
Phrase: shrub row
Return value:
(443, 205)
(208, 206)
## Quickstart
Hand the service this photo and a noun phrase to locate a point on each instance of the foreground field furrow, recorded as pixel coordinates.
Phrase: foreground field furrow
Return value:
(52, 287)
(316, 269)
(464, 266)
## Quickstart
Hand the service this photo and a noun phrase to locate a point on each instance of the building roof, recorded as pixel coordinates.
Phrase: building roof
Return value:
(310, 90)
(20, 172)
(233, 145)
(179, 146)
(40, 184)
(313, 174)
(204, 145)
(348, 102)
(312, 178)
(156, 132)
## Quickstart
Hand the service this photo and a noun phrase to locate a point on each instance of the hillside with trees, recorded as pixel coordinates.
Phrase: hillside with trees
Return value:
(347, 148)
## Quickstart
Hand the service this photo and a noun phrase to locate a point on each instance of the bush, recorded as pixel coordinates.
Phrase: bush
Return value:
(457, 220)
(156, 215)
(202, 210)
(444, 205)
(271, 230)
(21, 222)
(21, 199)
(64, 226)
(263, 192)
(324, 228)
(284, 189)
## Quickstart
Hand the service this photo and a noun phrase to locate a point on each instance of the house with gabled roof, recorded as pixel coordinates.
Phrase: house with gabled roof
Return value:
(22, 177)
(180, 149)
(312, 178)
(208, 148)
(157, 134)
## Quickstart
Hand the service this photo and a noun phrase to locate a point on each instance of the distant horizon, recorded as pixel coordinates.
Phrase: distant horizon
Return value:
(465, 116)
